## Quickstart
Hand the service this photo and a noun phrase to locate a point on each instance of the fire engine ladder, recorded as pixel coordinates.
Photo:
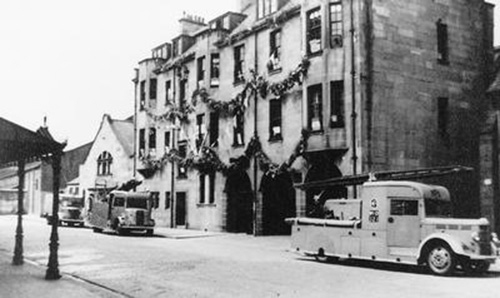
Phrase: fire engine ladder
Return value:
(386, 175)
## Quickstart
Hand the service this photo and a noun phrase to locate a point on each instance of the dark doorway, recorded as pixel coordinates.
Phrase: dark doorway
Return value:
(278, 196)
(180, 209)
(323, 167)
(239, 201)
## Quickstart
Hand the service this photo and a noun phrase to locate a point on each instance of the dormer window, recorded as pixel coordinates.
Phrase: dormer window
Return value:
(266, 7)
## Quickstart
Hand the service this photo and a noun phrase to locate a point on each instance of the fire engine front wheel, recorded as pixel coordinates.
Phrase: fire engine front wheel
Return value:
(441, 259)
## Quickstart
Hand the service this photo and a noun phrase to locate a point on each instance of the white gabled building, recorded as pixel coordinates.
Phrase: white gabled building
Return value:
(110, 161)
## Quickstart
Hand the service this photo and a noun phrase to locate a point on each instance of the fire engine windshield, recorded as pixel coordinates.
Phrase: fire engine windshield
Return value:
(140, 203)
(438, 208)
(71, 202)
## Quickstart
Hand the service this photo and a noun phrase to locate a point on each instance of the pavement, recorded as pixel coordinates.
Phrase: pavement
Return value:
(28, 280)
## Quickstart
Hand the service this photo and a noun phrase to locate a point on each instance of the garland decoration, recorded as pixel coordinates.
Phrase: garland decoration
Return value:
(294, 77)
(207, 160)
(180, 112)
(236, 106)
(256, 85)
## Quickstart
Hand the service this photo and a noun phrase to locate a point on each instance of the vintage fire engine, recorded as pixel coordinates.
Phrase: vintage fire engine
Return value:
(397, 221)
(121, 212)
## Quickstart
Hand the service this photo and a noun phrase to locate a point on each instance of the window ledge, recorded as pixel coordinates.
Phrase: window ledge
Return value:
(274, 71)
(276, 139)
(181, 177)
(206, 205)
(315, 54)
(238, 145)
(236, 83)
(317, 132)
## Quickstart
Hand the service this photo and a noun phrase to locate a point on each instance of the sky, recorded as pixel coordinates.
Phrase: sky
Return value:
(72, 61)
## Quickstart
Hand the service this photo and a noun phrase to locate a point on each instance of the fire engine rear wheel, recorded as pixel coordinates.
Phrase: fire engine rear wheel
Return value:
(97, 230)
(441, 259)
(149, 232)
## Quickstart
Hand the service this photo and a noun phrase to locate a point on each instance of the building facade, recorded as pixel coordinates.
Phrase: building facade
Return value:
(235, 110)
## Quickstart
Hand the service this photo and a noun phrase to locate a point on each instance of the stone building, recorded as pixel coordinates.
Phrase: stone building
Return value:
(375, 85)
(489, 150)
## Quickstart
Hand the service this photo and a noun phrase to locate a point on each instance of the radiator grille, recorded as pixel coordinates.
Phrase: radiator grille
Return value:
(484, 240)
(139, 217)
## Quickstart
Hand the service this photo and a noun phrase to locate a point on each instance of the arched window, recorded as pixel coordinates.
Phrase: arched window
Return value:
(104, 162)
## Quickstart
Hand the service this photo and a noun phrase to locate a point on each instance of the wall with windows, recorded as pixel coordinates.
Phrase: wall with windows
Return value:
(428, 70)
(398, 92)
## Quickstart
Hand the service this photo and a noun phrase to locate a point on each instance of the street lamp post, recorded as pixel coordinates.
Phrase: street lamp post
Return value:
(52, 272)
(18, 250)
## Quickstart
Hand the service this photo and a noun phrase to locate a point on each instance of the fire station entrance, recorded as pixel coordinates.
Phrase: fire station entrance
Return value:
(278, 203)
(322, 167)
(239, 209)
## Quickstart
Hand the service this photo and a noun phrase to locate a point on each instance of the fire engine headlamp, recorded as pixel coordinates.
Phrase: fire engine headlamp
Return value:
(475, 237)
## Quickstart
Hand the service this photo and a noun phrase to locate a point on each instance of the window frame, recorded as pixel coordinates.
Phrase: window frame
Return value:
(152, 141)
(211, 188)
(200, 70)
(153, 88)
(238, 130)
(275, 40)
(316, 106)
(181, 170)
(104, 162)
(142, 142)
(275, 119)
(142, 95)
(168, 92)
(337, 102)
(336, 24)
(313, 28)
(214, 129)
(404, 207)
(200, 130)
(239, 64)
(201, 189)
(214, 70)
(168, 195)
(442, 43)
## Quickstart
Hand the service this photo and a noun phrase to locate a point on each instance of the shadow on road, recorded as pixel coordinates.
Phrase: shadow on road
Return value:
(403, 268)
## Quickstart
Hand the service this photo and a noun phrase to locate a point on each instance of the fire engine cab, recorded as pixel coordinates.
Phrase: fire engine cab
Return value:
(401, 222)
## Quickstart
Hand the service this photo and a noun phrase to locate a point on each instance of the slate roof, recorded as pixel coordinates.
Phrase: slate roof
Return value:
(124, 131)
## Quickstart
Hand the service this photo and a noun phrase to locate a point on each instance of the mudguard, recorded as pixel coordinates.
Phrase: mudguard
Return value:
(454, 243)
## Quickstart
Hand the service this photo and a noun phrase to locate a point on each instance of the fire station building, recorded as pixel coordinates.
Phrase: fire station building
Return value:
(233, 111)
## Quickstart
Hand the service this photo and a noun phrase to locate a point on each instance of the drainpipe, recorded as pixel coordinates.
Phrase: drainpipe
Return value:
(353, 98)
(135, 80)
(172, 173)
(256, 135)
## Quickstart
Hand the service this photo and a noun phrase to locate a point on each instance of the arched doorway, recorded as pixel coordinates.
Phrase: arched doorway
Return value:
(278, 203)
(239, 199)
(323, 167)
